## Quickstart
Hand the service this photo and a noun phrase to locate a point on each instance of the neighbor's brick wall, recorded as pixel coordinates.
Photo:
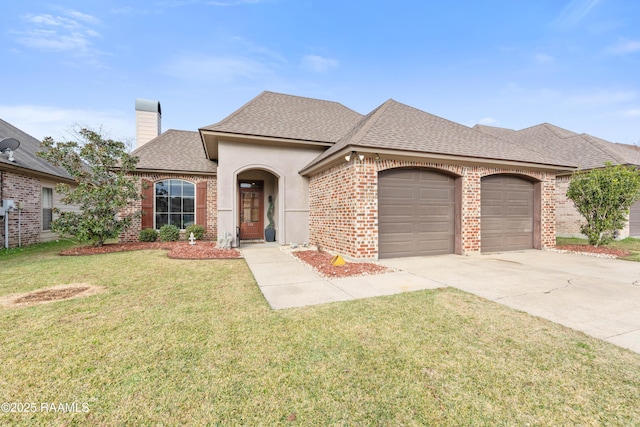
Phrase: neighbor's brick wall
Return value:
(343, 215)
(132, 234)
(568, 219)
(26, 190)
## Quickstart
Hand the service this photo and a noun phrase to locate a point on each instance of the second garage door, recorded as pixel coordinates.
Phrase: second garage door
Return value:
(506, 213)
(416, 213)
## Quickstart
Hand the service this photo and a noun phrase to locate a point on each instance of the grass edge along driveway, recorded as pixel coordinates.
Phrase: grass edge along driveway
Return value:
(193, 342)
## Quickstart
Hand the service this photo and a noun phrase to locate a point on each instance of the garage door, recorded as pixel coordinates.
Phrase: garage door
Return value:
(634, 220)
(416, 213)
(506, 213)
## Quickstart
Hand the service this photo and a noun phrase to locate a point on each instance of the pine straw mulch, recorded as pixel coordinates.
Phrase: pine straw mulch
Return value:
(55, 293)
(594, 250)
(177, 250)
(321, 262)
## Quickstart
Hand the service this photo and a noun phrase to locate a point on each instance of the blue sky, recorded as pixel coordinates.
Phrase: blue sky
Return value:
(507, 63)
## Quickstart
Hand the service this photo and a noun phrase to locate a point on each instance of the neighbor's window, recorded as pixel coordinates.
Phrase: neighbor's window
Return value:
(175, 203)
(47, 208)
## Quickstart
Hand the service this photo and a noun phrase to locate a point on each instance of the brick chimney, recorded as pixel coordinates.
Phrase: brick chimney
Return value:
(148, 120)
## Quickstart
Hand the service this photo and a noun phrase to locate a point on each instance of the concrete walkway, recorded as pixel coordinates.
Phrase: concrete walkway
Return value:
(286, 283)
(600, 297)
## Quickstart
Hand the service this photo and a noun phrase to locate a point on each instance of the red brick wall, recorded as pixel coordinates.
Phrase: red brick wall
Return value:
(343, 201)
(568, 219)
(24, 227)
(132, 234)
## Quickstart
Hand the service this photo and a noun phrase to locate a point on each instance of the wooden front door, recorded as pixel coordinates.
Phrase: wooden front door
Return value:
(251, 212)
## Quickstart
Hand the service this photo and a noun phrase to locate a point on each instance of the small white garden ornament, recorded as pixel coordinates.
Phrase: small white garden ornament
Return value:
(192, 239)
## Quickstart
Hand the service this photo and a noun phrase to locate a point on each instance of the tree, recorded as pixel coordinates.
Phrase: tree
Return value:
(603, 197)
(100, 168)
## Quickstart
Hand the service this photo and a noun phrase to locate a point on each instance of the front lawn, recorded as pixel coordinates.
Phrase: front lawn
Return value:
(179, 342)
(629, 244)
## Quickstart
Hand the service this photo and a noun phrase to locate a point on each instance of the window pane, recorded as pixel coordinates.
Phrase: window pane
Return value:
(47, 216)
(162, 188)
(188, 189)
(161, 219)
(176, 205)
(176, 219)
(188, 220)
(47, 198)
(188, 205)
(175, 188)
(162, 204)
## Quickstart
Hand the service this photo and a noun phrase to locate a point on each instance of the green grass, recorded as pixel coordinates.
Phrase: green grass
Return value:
(629, 244)
(175, 342)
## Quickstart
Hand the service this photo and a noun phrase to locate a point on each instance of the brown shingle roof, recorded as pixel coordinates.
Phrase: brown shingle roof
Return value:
(175, 150)
(26, 155)
(584, 150)
(292, 117)
(400, 127)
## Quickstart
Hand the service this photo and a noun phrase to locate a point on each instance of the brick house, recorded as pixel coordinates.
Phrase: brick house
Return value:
(396, 182)
(587, 152)
(29, 182)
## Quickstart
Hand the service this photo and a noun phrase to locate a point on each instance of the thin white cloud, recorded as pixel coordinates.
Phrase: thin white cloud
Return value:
(635, 112)
(318, 64)
(232, 2)
(602, 97)
(54, 33)
(40, 121)
(178, 3)
(626, 46)
(488, 121)
(223, 68)
(574, 13)
(130, 11)
(543, 58)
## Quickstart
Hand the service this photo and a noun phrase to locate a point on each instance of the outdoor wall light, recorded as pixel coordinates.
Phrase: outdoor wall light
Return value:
(352, 154)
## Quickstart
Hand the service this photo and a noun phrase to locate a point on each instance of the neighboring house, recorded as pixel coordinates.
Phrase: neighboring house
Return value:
(396, 182)
(587, 152)
(29, 181)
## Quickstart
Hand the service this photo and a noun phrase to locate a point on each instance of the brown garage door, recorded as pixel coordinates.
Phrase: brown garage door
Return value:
(415, 213)
(634, 220)
(507, 213)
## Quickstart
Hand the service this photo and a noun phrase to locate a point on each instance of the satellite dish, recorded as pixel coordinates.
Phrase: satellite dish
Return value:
(9, 144)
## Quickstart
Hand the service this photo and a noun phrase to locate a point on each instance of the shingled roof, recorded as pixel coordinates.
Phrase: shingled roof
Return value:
(175, 150)
(584, 150)
(278, 115)
(25, 156)
(396, 126)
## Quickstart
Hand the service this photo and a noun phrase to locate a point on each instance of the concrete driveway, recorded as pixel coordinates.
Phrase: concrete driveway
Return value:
(598, 296)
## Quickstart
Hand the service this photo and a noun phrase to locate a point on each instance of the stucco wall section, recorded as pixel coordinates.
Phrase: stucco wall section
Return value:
(291, 190)
(133, 233)
(344, 205)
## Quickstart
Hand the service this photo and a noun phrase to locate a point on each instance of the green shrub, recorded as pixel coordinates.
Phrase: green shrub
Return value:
(197, 230)
(169, 233)
(148, 235)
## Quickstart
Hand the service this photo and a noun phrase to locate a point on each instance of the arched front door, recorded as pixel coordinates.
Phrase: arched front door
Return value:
(251, 210)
